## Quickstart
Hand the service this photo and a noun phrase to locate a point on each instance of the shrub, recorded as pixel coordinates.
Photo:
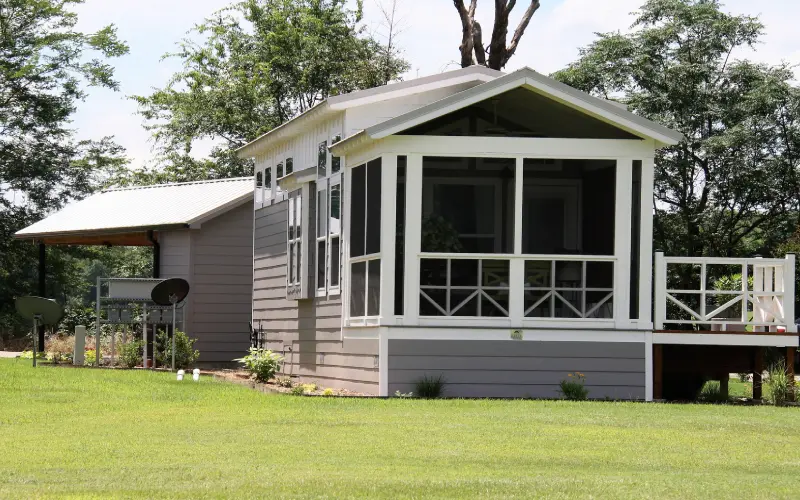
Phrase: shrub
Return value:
(90, 357)
(573, 387)
(298, 390)
(29, 355)
(60, 348)
(711, 393)
(780, 386)
(744, 378)
(283, 382)
(308, 388)
(131, 354)
(430, 387)
(327, 392)
(185, 353)
(261, 363)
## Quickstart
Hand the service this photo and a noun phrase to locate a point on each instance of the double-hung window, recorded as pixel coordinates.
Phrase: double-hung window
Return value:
(328, 220)
(294, 239)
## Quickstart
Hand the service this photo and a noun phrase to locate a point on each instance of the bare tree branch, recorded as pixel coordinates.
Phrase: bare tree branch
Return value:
(477, 42)
(523, 25)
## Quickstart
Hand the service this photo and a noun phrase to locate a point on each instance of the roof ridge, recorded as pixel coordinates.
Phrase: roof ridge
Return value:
(172, 184)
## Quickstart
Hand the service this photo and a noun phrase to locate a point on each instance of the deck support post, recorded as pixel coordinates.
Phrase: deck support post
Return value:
(758, 369)
(658, 371)
(723, 384)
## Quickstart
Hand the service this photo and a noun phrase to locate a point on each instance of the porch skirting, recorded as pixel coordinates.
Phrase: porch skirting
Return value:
(513, 369)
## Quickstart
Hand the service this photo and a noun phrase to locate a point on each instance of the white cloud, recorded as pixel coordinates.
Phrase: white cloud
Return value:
(430, 41)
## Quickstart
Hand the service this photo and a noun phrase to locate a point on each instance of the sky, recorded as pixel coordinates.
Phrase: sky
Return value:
(429, 39)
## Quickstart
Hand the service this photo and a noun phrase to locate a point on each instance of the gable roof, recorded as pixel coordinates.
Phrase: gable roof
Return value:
(333, 104)
(604, 110)
(140, 208)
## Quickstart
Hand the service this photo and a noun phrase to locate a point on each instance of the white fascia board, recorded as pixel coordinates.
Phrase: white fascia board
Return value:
(200, 219)
(403, 92)
(284, 131)
(296, 179)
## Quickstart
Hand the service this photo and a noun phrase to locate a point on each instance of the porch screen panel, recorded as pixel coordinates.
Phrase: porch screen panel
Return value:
(373, 236)
(400, 240)
(468, 205)
(636, 231)
(358, 204)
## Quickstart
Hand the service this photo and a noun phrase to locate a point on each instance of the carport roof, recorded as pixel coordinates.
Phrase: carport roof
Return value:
(122, 216)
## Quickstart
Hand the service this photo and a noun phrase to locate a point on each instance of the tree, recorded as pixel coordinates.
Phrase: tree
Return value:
(261, 63)
(44, 67)
(730, 188)
(472, 49)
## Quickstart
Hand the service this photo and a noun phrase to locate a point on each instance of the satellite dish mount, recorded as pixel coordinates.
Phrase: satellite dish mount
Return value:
(171, 292)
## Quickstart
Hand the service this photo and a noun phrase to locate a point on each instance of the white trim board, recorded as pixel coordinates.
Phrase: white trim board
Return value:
(725, 339)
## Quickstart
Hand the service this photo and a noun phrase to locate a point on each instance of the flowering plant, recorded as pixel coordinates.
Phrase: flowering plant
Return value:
(573, 387)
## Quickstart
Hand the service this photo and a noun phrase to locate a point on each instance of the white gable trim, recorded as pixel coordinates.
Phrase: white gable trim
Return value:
(601, 109)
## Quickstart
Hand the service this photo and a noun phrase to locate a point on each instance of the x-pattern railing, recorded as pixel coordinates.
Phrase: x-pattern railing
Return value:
(546, 279)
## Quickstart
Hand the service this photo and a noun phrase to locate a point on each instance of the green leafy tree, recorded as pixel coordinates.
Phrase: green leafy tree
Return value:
(730, 188)
(45, 66)
(261, 62)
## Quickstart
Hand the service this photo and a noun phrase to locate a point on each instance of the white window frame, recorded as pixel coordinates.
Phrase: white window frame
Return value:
(366, 320)
(295, 214)
(324, 185)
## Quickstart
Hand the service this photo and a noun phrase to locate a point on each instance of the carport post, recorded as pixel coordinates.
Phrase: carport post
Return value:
(42, 287)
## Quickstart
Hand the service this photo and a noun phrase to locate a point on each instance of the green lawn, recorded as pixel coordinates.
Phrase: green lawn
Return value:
(101, 433)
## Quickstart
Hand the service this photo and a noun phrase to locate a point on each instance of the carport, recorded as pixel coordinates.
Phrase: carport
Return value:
(199, 231)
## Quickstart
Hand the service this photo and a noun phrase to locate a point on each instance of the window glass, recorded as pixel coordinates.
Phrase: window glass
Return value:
(358, 202)
(289, 166)
(400, 241)
(334, 224)
(321, 264)
(259, 179)
(374, 288)
(358, 288)
(335, 252)
(294, 244)
(322, 212)
(268, 178)
(322, 159)
(336, 162)
(280, 171)
(373, 209)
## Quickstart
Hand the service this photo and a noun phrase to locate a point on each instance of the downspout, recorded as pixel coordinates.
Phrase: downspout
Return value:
(156, 254)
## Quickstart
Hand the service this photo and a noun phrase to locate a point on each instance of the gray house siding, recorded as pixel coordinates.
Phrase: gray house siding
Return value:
(221, 261)
(506, 368)
(216, 260)
(307, 332)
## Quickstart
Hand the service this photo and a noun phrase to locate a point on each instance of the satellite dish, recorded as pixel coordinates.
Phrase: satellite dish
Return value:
(170, 292)
(42, 312)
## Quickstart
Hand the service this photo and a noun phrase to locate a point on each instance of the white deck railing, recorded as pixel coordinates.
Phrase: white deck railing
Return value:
(762, 301)
(553, 287)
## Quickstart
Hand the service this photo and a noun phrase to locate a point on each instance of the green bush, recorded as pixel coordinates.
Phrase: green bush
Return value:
(29, 355)
(712, 393)
(573, 387)
(780, 386)
(185, 353)
(430, 387)
(261, 363)
(89, 357)
(131, 354)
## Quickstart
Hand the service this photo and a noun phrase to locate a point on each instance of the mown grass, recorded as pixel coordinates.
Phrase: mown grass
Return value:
(103, 433)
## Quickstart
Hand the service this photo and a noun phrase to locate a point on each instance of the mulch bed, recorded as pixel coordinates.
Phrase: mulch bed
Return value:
(242, 377)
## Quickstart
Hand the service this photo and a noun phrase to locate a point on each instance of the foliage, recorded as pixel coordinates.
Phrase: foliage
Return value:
(328, 392)
(90, 357)
(60, 348)
(712, 393)
(780, 387)
(308, 388)
(403, 395)
(573, 387)
(262, 363)
(226, 428)
(283, 382)
(430, 387)
(260, 63)
(185, 353)
(46, 63)
(439, 235)
(298, 390)
(132, 354)
(29, 355)
(744, 377)
(730, 187)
